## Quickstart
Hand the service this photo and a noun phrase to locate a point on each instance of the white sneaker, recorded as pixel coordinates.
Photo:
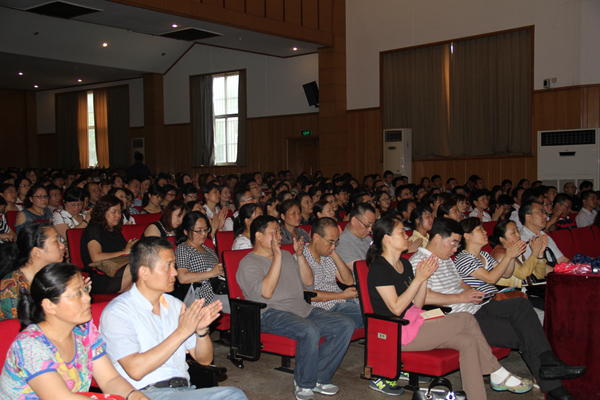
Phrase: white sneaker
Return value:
(303, 393)
(326, 388)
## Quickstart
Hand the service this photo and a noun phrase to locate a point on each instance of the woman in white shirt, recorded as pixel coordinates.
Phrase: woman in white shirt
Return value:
(241, 226)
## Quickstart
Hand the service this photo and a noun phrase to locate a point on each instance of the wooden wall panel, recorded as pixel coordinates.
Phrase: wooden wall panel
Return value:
(365, 144)
(274, 9)
(236, 5)
(292, 11)
(255, 7)
(13, 129)
(310, 13)
(47, 150)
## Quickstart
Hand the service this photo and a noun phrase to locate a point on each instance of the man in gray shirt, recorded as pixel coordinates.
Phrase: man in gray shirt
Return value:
(355, 240)
(274, 277)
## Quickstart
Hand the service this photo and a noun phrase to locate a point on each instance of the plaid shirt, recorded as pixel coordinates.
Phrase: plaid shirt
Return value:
(325, 280)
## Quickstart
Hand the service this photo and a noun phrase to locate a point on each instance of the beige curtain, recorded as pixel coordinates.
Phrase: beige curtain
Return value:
(462, 99)
(101, 123)
(415, 95)
(490, 95)
(67, 106)
(82, 130)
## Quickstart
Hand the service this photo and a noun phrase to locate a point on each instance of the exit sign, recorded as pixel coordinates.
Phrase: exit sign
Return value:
(306, 133)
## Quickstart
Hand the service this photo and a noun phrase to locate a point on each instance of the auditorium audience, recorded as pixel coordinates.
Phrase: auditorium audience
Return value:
(587, 214)
(241, 226)
(71, 216)
(290, 215)
(422, 220)
(23, 185)
(306, 204)
(152, 201)
(170, 220)
(9, 194)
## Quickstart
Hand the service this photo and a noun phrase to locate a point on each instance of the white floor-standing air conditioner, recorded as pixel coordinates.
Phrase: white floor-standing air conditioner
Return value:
(569, 156)
(397, 151)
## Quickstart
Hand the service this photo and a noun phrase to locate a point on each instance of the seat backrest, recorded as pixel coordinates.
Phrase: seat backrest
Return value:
(585, 242)
(306, 228)
(409, 233)
(231, 262)
(224, 242)
(489, 227)
(145, 219)
(596, 232)
(288, 247)
(343, 214)
(488, 248)
(97, 309)
(9, 329)
(342, 224)
(361, 272)
(11, 219)
(210, 243)
(133, 231)
(565, 242)
(573, 217)
(74, 240)
(172, 240)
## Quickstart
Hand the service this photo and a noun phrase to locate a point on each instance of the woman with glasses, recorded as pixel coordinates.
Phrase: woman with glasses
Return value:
(152, 202)
(23, 185)
(169, 194)
(450, 210)
(241, 226)
(196, 262)
(169, 221)
(37, 245)
(330, 198)
(9, 193)
(103, 240)
(35, 207)
(71, 217)
(382, 201)
(58, 315)
(188, 192)
(396, 291)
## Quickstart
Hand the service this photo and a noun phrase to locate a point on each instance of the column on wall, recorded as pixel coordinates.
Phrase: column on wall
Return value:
(333, 125)
(154, 131)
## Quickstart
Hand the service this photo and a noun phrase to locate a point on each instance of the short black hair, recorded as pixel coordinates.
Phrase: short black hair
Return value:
(562, 198)
(585, 194)
(585, 185)
(527, 208)
(321, 224)
(361, 209)
(145, 253)
(445, 227)
(260, 224)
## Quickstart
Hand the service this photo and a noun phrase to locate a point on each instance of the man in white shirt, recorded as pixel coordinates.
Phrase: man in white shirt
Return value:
(148, 332)
(588, 212)
(533, 218)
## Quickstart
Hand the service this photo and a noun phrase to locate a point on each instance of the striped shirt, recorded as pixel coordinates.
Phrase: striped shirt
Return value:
(466, 263)
(445, 280)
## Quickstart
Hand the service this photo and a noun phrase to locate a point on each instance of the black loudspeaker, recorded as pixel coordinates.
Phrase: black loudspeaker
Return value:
(312, 93)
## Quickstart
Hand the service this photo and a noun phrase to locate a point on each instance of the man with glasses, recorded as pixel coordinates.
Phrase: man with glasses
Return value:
(508, 323)
(533, 217)
(273, 276)
(355, 240)
(327, 266)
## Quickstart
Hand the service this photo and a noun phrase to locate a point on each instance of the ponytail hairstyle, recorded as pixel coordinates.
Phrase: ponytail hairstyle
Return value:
(383, 226)
(500, 232)
(246, 212)
(49, 283)
(153, 190)
(16, 254)
(318, 207)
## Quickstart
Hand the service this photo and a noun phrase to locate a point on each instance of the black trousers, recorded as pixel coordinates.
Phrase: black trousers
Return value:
(513, 323)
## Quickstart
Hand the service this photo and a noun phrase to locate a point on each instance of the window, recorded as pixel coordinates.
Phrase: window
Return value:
(226, 114)
(91, 128)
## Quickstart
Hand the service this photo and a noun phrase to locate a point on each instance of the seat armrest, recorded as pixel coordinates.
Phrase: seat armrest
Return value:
(398, 320)
(308, 295)
(245, 329)
(445, 310)
(248, 303)
(203, 376)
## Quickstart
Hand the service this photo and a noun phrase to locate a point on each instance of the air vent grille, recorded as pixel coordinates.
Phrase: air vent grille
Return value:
(566, 138)
(190, 34)
(394, 136)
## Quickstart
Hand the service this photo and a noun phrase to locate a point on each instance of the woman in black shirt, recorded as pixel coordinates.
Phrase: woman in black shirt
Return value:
(394, 290)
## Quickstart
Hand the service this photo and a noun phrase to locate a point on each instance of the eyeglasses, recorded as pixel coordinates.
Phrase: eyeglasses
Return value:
(248, 199)
(170, 194)
(369, 226)
(84, 290)
(455, 244)
(42, 197)
(254, 187)
(24, 185)
(201, 231)
(540, 211)
(74, 204)
(332, 243)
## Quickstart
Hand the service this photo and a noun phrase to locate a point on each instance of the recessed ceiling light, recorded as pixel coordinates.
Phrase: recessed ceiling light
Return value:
(35, 86)
(174, 25)
(78, 80)
(104, 44)
(295, 48)
(20, 73)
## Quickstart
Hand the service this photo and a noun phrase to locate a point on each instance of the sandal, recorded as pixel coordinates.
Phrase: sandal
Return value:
(524, 386)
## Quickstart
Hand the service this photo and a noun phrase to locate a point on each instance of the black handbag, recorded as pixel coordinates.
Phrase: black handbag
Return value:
(439, 394)
(219, 285)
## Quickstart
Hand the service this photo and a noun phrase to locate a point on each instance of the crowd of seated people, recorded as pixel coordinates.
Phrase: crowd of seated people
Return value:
(193, 208)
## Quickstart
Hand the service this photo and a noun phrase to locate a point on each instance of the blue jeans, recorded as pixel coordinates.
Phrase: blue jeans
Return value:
(313, 363)
(352, 310)
(191, 393)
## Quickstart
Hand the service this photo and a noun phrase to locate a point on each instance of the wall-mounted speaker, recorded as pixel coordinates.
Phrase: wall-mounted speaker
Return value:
(312, 93)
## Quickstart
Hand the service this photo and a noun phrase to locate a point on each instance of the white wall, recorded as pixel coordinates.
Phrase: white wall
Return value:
(274, 85)
(46, 110)
(567, 36)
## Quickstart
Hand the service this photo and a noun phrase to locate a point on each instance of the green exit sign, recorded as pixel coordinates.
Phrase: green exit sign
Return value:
(306, 133)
